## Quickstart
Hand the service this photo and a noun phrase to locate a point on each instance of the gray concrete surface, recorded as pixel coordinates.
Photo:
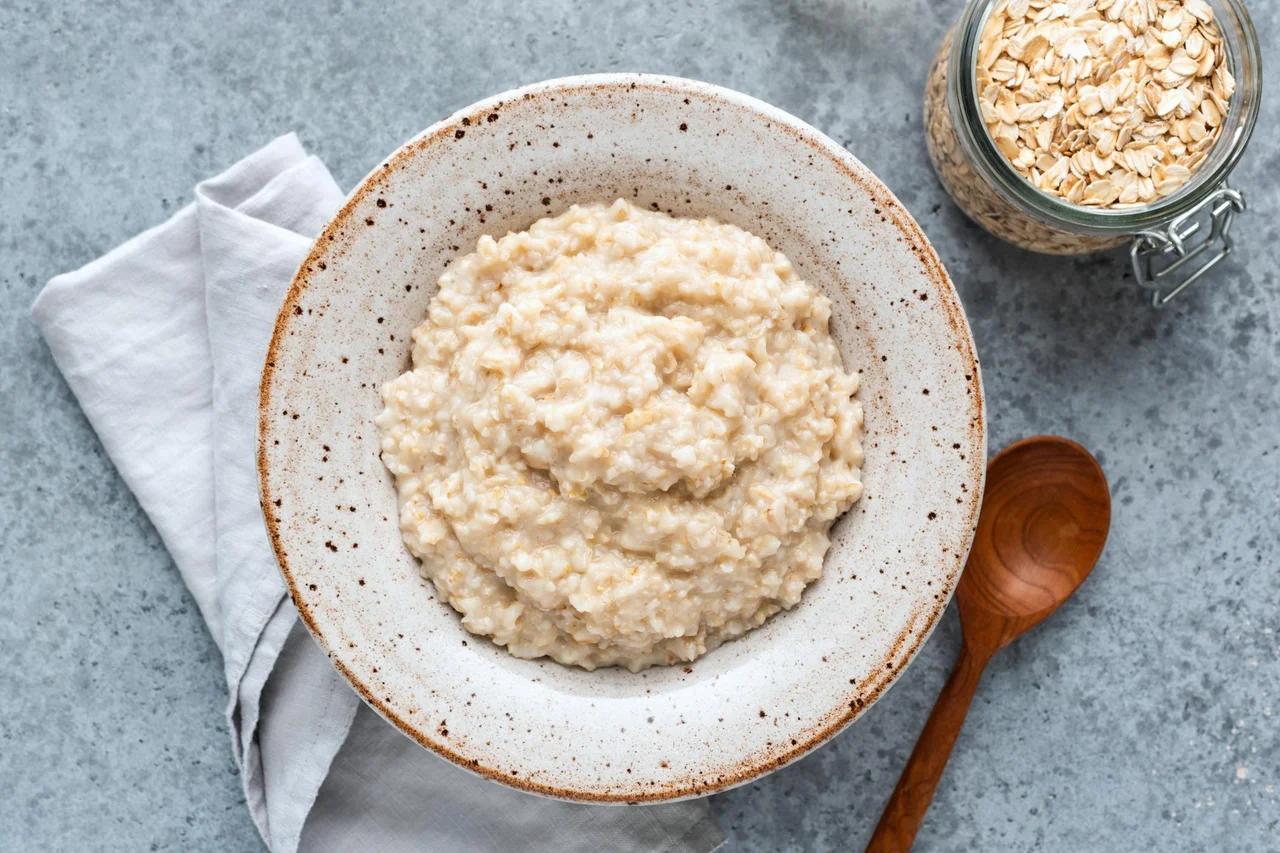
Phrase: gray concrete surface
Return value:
(1144, 716)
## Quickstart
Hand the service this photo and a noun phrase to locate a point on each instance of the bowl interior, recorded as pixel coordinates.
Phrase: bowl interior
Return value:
(754, 704)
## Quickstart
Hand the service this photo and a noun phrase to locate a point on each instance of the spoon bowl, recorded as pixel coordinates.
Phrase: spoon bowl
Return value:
(1044, 520)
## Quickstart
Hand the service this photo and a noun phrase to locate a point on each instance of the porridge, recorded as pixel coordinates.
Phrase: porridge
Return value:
(624, 437)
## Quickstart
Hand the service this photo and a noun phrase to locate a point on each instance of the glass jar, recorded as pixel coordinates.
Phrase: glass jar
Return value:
(1166, 236)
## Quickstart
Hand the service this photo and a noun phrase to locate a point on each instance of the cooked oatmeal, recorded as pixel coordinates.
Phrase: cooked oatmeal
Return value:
(624, 438)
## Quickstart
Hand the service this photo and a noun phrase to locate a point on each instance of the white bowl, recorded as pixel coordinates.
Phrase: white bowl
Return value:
(754, 704)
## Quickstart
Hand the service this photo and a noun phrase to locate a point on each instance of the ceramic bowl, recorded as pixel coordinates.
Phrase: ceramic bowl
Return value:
(754, 704)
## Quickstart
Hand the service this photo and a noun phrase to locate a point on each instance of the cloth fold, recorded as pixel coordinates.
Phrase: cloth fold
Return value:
(162, 341)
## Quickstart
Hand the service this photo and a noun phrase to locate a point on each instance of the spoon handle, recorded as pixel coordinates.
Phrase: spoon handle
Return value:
(910, 800)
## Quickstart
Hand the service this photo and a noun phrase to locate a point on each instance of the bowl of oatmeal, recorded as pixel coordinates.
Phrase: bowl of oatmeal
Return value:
(621, 438)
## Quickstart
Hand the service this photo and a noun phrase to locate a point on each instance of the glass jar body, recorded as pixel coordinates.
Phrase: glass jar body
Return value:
(992, 193)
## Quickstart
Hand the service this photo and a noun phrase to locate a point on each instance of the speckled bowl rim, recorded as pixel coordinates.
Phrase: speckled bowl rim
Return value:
(912, 638)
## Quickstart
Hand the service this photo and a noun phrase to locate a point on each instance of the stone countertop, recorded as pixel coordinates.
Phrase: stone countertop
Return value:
(1145, 715)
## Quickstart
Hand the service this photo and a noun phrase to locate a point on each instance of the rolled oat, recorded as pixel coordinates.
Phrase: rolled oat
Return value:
(1103, 103)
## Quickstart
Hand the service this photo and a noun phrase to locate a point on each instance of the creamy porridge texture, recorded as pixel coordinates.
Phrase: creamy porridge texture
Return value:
(624, 437)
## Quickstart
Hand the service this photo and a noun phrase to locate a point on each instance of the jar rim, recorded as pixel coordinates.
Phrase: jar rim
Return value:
(1245, 62)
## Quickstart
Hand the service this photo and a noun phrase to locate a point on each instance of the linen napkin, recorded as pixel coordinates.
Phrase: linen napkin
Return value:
(162, 341)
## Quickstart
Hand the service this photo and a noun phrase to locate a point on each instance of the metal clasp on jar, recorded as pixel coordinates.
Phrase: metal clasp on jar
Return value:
(1170, 246)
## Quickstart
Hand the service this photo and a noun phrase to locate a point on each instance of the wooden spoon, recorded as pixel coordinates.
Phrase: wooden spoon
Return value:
(1044, 520)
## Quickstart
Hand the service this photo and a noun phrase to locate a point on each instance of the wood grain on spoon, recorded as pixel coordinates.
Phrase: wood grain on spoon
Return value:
(1045, 515)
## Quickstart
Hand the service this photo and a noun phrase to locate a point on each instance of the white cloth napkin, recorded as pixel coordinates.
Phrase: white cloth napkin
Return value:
(162, 341)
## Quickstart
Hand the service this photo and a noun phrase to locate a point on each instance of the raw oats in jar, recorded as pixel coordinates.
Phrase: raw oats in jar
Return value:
(1069, 127)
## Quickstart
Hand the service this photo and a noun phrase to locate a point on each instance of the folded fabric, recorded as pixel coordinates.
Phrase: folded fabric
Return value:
(162, 341)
